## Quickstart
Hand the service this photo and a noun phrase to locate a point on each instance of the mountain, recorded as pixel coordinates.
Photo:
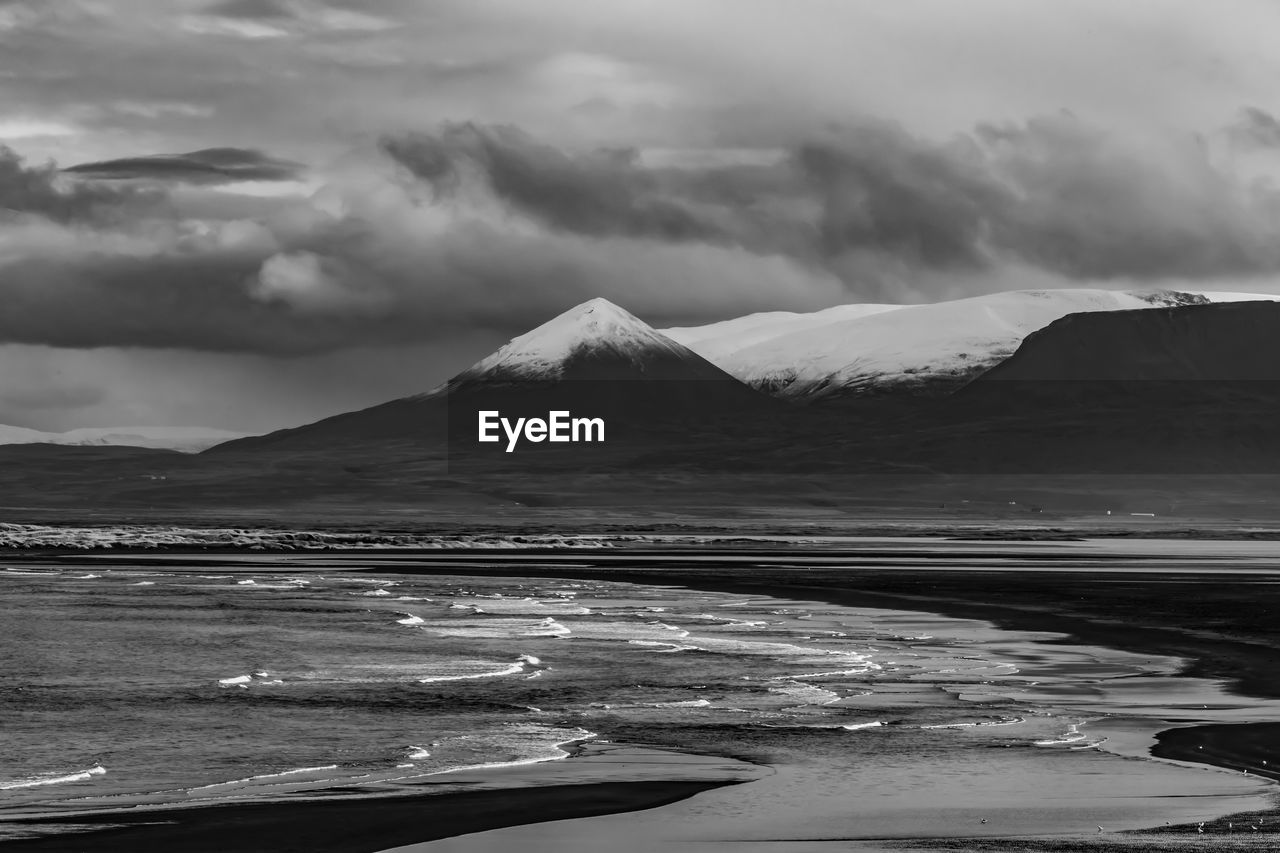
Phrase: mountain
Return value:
(1078, 413)
(921, 349)
(1191, 389)
(593, 341)
(717, 342)
(594, 360)
(183, 439)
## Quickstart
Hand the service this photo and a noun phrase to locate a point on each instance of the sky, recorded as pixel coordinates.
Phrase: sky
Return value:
(249, 214)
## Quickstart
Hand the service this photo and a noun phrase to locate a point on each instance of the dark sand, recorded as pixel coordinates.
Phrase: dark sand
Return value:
(344, 826)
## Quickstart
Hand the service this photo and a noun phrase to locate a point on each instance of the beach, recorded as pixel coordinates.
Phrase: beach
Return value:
(1189, 670)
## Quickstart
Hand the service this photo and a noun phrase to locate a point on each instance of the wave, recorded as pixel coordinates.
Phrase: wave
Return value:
(664, 648)
(259, 677)
(249, 780)
(853, 727)
(417, 753)
(806, 694)
(375, 593)
(532, 607)
(1072, 735)
(500, 628)
(544, 752)
(687, 703)
(1003, 721)
(410, 619)
(41, 781)
(510, 669)
(862, 669)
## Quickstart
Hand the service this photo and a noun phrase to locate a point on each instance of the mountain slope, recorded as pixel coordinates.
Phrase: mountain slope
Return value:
(594, 341)
(1192, 389)
(930, 349)
(720, 341)
(594, 360)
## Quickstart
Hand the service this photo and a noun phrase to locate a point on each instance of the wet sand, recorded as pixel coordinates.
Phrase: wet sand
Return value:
(347, 826)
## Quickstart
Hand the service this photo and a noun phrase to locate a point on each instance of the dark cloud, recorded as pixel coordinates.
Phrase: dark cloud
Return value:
(252, 9)
(1053, 193)
(35, 190)
(603, 192)
(208, 166)
(1255, 128)
(600, 193)
(481, 228)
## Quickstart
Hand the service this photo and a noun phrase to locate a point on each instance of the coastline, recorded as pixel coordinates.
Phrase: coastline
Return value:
(365, 825)
(1006, 598)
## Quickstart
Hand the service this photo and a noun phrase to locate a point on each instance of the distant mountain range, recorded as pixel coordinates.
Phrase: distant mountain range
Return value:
(865, 349)
(779, 410)
(183, 439)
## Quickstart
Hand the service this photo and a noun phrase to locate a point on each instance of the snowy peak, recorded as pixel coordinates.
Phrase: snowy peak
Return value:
(927, 348)
(594, 340)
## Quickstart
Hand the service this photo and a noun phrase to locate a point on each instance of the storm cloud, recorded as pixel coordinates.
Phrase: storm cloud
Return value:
(1052, 193)
(208, 166)
(476, 166)
(27, 190)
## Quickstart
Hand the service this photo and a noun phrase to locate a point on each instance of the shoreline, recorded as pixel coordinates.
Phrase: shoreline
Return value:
(365, 825)
(1085, 612)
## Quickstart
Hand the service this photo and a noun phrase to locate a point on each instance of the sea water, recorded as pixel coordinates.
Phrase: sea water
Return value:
(121, 688)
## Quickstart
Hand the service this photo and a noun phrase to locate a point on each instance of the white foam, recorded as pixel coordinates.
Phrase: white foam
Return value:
(853, 727)
(143, 583)
(806, 694)
(239, 680)
(1012, 721)
(554, 752)
(249, 780)
(376, 593)
(532, 607)
(1072, 735)
(410, 619)
(40, 781)
(417, 753)
(511, 669)
(664, 648)
(499, 628)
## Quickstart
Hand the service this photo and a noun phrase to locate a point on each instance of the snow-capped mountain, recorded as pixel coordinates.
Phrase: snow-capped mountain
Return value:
(717, 341)
(595, 358)
(931, 348)
(596, 340)
(184, 439)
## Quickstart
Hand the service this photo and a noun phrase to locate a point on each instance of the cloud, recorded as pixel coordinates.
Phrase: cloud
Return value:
(489, 228)
(36, 191)
(253, 9)
(208, 166)
(1255, 128)
(870, 200)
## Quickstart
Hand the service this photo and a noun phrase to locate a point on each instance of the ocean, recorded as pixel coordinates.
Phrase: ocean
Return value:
(138, 687)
